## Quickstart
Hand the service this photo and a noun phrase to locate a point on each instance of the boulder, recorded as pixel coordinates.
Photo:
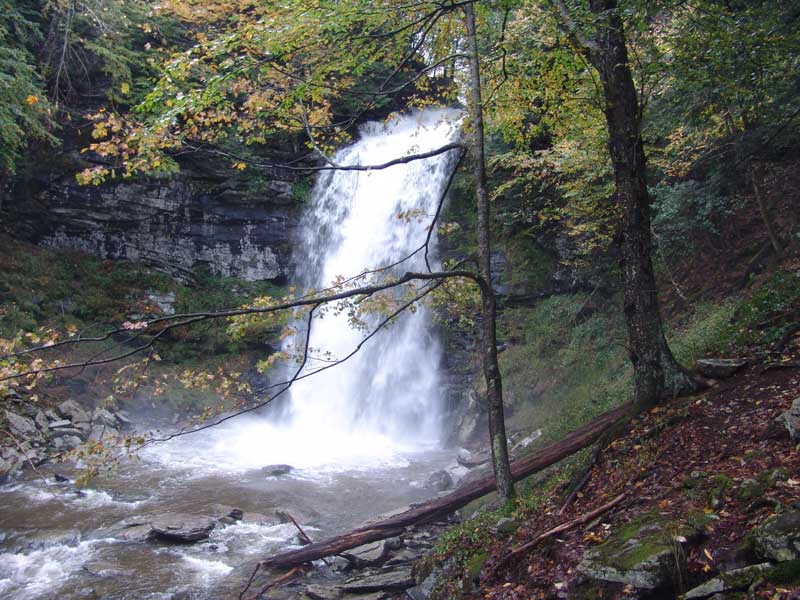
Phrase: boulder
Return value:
(396, 580)
(738, 579)
(132, 530)
(66, 431)
(182, 528)
(73, 411)
(641, 554)
(526, 441)
(72, 441)
(471, 460)
(103, 417)
(41, 421)
(368, 555)
(322, 592)
(21, 427)
(227, 514)
(720, 368)
(791, 420)
(300, 515)
(777, 539)
(439, 481)
(277, 470)
(10, 464)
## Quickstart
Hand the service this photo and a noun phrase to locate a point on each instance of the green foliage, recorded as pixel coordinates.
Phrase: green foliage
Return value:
(759, 318)
(708, 331)
(24, 109)
(549, 382)
(277, 69)
(771, 308)
(687, 209)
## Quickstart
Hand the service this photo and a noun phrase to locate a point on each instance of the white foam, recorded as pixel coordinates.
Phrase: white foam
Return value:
(207, 570)
(253, 538)
(38, 573)
(85, 499)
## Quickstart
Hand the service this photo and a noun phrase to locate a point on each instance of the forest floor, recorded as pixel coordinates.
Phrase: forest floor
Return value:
(720, 455)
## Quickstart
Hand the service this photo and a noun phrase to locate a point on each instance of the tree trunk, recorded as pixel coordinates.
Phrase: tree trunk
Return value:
(491, 369)
(757, 174)
(657, 375)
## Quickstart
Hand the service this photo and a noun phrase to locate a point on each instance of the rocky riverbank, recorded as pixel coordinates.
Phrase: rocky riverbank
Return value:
(35, 435)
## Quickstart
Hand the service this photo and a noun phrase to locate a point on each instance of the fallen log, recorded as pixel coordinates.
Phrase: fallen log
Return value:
(444, 505)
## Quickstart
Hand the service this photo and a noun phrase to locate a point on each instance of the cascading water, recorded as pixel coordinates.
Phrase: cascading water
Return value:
(385, 400)
(362, 436)
(389, 391)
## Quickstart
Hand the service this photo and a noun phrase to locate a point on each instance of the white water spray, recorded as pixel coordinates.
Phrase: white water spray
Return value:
(385, 400)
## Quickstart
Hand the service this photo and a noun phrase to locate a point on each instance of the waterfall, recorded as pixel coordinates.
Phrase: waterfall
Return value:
(389, 392)
(385, 401)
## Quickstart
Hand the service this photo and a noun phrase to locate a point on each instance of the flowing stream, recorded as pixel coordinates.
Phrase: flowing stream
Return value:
(362, 436)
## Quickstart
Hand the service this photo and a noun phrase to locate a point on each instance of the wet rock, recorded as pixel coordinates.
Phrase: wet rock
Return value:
(41, 421)
(777, 539)
(402, 557)
(133, 532)
(641, 554)
(738, 579)
(123, 416)
(277, 470)
(74, 412)
(396, 580)
(229, 511)
(47, 539)
(791, 420)
(182, 528)
(439, 481)
(424, 590)
(471, 460)
(66, 431)
(519, 446)
(282, 515)
(719, 368)
(60, 478)
(72, 441)
(10, 464)
(21, 427)
(84, 427)
(322, 592)
(103, 417)
(368, 555)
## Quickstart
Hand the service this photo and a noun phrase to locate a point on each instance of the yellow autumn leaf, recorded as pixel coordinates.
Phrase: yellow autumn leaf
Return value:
(125, 88)
(31, 100)
(240, 166)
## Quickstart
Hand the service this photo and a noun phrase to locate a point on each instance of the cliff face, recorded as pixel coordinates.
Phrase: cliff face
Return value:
(175, 225)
